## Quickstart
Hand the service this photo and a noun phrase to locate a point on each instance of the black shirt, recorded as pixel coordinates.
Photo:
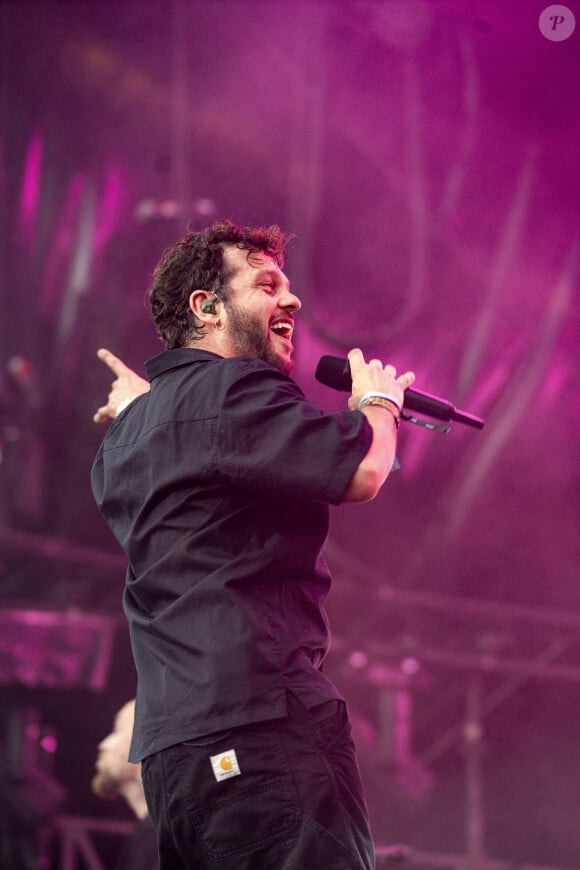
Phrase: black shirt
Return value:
(216, 484)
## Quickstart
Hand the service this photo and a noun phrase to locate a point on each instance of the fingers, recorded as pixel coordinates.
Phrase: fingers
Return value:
(406, 380)
(356, 361)
(101, 415)
(114, 363)
(126, 386)
(374, 376)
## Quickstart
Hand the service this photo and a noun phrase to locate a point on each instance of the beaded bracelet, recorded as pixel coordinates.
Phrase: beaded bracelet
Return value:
(375, 401)
(381, 396)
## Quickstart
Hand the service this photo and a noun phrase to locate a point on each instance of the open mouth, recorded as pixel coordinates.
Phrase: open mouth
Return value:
(283, 328)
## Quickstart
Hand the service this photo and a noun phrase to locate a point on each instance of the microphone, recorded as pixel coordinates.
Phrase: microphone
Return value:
(333, 371)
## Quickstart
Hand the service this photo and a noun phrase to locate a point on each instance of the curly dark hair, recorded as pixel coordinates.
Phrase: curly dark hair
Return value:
(196, 262)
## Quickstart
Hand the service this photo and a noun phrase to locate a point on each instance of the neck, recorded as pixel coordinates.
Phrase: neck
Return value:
(215, 340)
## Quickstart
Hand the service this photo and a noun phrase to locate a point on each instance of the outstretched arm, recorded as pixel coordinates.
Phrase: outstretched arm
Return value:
(126, 387)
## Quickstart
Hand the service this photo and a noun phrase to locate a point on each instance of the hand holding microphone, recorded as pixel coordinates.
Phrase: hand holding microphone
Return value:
(376, 385)
(332, 371)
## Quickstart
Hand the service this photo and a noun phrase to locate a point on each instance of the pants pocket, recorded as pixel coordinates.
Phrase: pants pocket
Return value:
(247, 812)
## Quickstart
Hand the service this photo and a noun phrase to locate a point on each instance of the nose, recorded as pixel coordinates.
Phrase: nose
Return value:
(290, 301)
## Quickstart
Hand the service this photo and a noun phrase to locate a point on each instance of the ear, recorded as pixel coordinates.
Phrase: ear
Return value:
(203, 305)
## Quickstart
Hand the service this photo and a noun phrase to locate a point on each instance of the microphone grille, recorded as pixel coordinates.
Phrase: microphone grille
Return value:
(333, 371)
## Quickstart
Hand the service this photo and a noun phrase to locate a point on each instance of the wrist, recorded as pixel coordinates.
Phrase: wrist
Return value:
(372, 394)
(374, 400)
(124, 404)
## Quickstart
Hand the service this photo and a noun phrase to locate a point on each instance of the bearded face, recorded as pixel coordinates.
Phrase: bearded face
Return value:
(251, 337)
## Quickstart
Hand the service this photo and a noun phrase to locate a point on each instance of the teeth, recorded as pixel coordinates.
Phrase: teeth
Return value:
(282, 326)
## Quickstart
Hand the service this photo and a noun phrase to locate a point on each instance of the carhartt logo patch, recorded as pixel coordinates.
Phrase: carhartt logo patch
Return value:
(225, 765)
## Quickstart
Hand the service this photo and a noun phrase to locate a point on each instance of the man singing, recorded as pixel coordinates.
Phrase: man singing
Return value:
(216, 482)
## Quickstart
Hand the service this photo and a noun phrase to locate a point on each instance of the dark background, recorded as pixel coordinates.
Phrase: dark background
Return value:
(425, 155)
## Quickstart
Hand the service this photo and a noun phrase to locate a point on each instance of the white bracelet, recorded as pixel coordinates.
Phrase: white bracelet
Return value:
(379, 396)
(124, 404)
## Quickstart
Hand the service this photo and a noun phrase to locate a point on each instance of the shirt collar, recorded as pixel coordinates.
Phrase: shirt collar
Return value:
(175, 358)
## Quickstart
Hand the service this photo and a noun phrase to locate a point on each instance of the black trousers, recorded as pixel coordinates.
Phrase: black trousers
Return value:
(297, 802)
